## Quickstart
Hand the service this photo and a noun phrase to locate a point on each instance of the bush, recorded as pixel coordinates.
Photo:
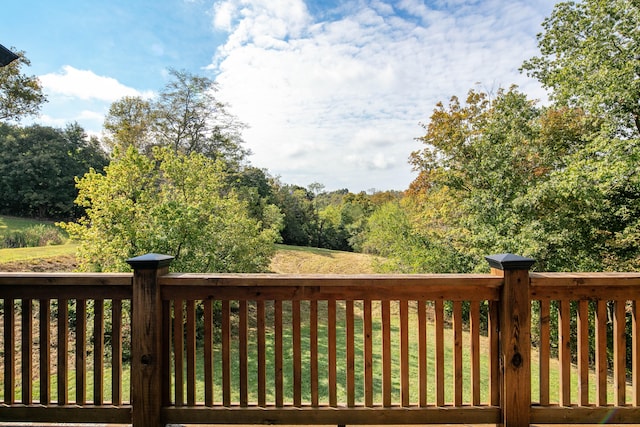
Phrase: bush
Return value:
(36, 235)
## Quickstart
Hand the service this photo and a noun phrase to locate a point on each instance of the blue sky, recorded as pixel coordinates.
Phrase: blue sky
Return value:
(333, 91)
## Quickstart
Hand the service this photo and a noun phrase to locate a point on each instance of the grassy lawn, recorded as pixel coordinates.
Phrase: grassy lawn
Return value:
(303, 260)
(10, 223)
(38, 252)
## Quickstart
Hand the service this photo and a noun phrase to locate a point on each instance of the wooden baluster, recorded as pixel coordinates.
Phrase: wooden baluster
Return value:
(27, 351)
(619, 352)
(243, 353)
(98, 353)
(9, 352)
(45, 351)
(564, 351)
(494, 362)
(583, 353)
(81, 351)
(422, 352)
(191, 352)
(116, 349)
(262, 356)
(457, 352)
(386, 354)
(166, 378)
(545, 346)
(474, 317)
(635, 352)
(439, 314)
(178, 350)
(351, 391)
(208, 352)
(277, 306)
(404, 353)
(226, 353)
(331, 320)
(63, 351)
(601, 353)
(297, 353)
(313, 348)
(368, 354)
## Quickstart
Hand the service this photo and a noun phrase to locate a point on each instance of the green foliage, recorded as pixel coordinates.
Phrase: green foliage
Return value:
(390, 234)
(38, 165)
(296, 204)
(590, 58)
(36, 235)
(174, 204)
(20, 95)
(185, 116)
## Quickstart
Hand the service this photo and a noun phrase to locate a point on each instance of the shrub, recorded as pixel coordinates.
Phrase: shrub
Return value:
(36, 235)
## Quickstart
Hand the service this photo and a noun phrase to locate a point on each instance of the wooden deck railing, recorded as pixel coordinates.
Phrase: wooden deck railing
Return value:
(319, 349)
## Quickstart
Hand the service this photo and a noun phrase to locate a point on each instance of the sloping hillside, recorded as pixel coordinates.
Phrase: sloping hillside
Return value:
(288, 259)
(300, 260)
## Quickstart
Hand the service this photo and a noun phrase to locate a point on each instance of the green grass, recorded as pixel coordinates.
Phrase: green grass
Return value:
(10, 223)
(38, 252)
(305, 260)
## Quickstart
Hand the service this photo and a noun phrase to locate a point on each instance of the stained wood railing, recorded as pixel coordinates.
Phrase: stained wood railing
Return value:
(320, 349)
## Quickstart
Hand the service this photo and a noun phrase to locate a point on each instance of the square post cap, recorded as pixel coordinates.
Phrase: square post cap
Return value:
(150, 261)
(509, 262)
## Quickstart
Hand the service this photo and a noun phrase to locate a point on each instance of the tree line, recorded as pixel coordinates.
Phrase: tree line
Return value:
(496, 172)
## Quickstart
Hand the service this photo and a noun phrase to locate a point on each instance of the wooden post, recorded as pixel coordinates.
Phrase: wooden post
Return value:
(515, 337)
(146, 337)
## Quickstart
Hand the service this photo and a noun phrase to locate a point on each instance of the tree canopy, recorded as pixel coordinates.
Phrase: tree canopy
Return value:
(38, 165)
(172, 203)
(20, 95)
(590, 58)
(186, 116)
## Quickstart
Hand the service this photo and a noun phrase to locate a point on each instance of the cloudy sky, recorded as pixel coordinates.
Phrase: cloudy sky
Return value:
(333, 91)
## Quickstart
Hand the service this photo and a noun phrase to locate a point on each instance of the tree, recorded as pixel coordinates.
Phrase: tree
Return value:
(490, 180)
(296, 204)
(20, 95)
(173, 203)
(188, 118)
(38, 165)
(590, 58)
(128, 123)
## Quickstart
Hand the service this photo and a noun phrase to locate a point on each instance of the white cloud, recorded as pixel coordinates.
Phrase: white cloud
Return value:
(86, 85)
(333, 99)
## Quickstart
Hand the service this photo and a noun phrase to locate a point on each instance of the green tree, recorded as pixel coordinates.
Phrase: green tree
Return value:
(185, 116)
(128, 123)
(20, 95)
(38, 166)
(478, 159)
(172, 203)
(390, 233)
(501, 175)
(590, 58)
(188, 118)
(296, 204)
